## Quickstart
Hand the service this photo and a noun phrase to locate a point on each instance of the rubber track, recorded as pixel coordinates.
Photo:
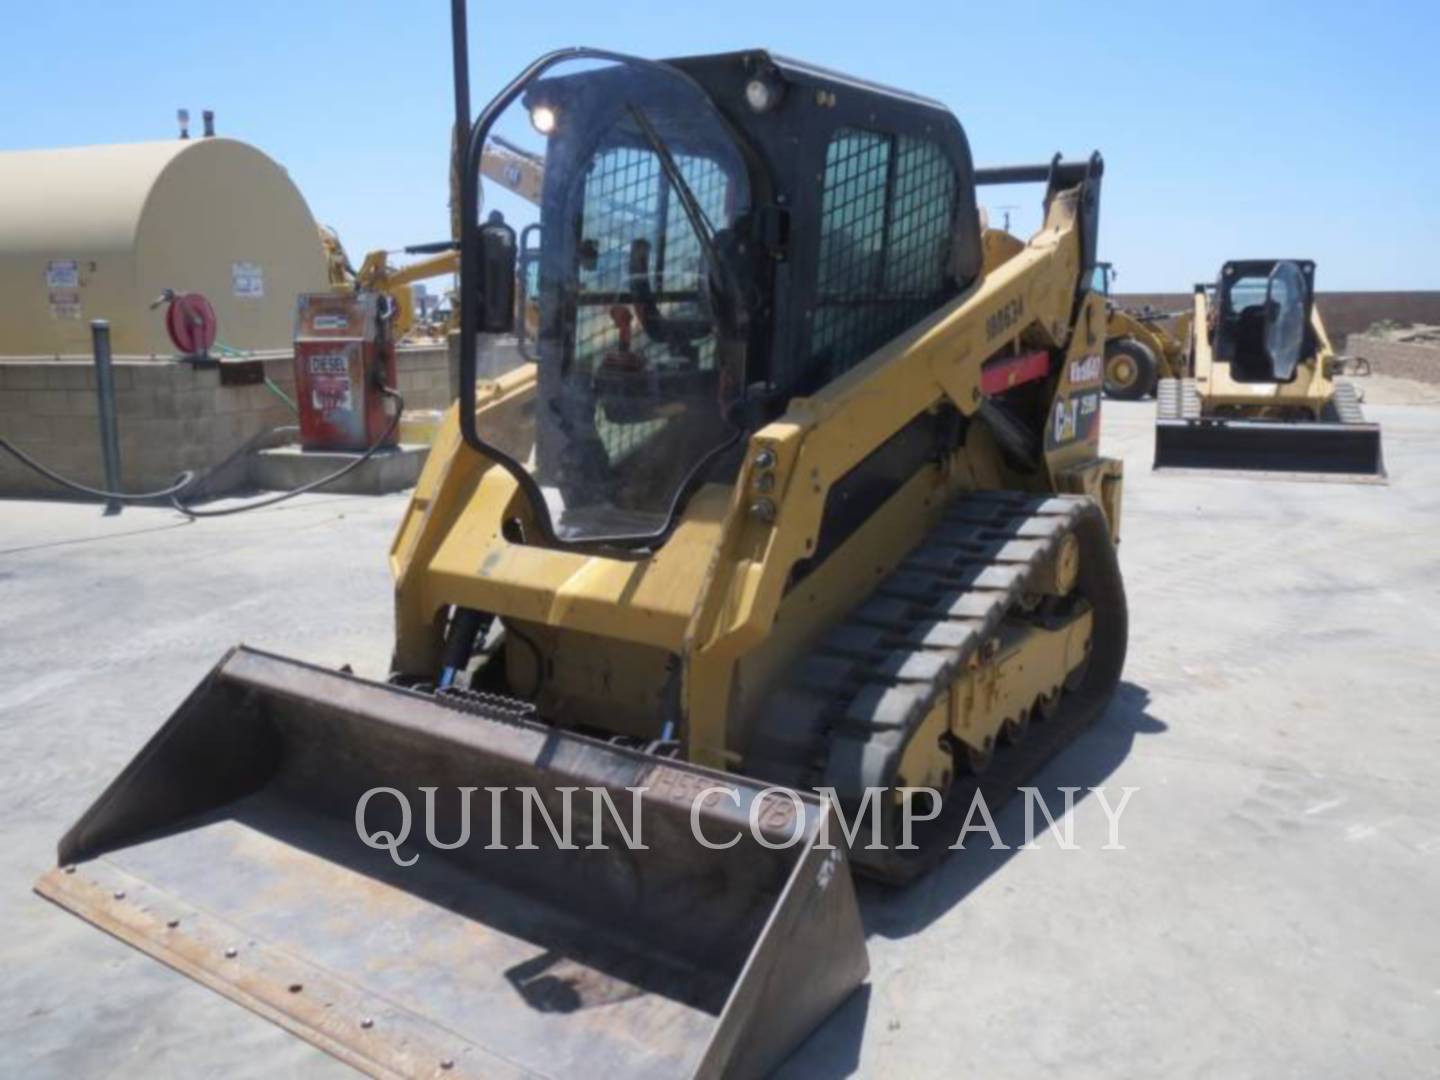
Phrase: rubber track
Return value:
(844, 717)
(1347, 404)
(1177, 399)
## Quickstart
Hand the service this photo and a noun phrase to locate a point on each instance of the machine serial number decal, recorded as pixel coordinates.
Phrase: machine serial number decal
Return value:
(1004, 318)
(1088, 369)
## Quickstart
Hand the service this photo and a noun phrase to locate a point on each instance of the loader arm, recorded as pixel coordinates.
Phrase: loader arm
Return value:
(377, 274)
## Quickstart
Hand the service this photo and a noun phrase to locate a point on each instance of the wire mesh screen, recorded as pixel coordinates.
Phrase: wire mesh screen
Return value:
(627, 198)
(621, 205)
(682, 265)
(885, 229)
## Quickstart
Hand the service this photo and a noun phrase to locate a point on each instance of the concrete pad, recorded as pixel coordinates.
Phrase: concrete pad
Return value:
(1270, 914)
(284, 468)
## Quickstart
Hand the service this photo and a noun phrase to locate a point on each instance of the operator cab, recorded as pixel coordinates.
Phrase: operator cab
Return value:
(714, 236)
(1262, 323)
(1103, 276)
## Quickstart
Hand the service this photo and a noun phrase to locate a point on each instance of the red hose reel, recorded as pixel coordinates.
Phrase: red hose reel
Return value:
(190, 322)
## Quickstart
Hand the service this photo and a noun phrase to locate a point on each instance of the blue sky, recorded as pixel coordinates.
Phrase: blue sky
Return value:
(1229, 129)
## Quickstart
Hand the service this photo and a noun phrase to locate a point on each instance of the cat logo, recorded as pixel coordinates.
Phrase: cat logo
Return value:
(1065, 417)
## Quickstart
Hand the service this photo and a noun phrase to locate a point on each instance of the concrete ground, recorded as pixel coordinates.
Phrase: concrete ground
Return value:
(1271, 914)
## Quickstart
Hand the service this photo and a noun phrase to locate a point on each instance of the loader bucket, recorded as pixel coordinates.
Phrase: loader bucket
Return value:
(1318, 448)
(230, 849)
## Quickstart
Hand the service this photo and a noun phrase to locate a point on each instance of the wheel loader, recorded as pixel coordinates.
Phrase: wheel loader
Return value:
(792, 537)
(1259, 390)
(1139, 349)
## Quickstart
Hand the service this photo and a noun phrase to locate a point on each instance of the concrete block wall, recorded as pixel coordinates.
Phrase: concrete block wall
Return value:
(170, 416)
(1345, 313)
(1401, 359)
(494, 356)
(423, 372)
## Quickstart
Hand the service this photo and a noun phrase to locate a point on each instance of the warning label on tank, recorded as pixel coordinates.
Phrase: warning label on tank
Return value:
(330, 393)
(247, 279)
(62, 274)
(64, 305)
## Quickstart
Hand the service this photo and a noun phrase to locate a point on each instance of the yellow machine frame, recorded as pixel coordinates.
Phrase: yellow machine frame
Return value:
(1311, 390)
(1307, 425)
(1167, 349)
(1164, 348)
(714, 594)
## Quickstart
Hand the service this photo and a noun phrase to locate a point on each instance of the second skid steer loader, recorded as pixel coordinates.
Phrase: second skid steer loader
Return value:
(1259, 391)
(795, 519)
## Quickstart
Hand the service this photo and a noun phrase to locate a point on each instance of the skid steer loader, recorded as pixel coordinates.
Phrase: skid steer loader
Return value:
(795, 519)
(1259, 391)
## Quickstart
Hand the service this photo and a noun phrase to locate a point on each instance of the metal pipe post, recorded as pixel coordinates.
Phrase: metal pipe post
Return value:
(460, 57)
(105, 394)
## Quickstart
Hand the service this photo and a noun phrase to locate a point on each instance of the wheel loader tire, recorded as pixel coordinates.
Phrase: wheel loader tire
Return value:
(1130, 369)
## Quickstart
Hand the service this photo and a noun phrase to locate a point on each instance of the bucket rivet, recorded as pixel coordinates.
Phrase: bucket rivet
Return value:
(295, 988)
(172, 923)
(231, 953)
(70, 869)
(447, 1064)
(367, 1023)
(119, 894)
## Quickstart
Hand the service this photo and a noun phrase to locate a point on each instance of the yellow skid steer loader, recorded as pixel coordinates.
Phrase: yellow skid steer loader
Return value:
(1259, 389)
(791, 535)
